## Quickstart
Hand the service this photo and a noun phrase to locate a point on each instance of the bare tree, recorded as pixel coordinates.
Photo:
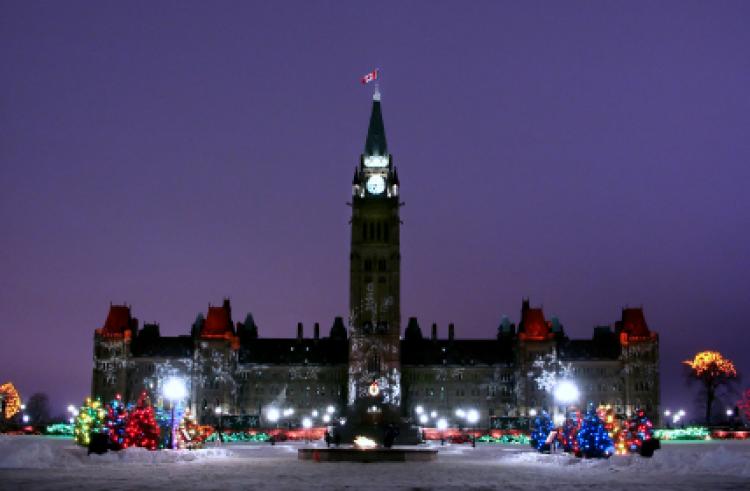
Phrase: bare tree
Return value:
(37, 407)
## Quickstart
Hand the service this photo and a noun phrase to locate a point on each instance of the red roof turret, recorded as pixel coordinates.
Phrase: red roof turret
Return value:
(218, 322)
(632, 326)
(118, 322)
(533, 325)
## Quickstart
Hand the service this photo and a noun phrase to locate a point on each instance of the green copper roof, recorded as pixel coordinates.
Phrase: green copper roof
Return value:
(375, 143)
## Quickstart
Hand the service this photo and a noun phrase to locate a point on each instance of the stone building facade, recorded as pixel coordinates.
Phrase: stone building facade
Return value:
(372, 370)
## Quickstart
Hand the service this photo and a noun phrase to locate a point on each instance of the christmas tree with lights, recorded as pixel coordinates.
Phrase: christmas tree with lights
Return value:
(641, 435)
(569, 433)
(90, 420)
(115, 421)
(593, 438)
(141, 428)
(540, 430)
(189, 434)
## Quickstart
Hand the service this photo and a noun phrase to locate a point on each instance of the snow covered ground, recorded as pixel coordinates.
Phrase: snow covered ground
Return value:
(28, 462)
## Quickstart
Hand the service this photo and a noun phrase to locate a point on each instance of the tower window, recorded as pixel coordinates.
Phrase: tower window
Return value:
(373, 364)
(368, 265)
(381, 265)
(364, 230)
(377, 231)
(385, 232)
(372, 230)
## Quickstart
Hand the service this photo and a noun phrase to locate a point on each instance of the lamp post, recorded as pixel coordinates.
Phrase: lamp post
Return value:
(173, 390)
(218, 412)
(442, 424)
(472, 416)
(272, 415)
(566, 393)
(307, 424)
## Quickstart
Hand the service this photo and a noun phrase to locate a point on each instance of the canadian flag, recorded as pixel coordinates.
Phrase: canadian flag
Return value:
(373, 75)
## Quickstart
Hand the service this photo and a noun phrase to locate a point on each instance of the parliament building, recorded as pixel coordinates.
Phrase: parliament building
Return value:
(369, 369)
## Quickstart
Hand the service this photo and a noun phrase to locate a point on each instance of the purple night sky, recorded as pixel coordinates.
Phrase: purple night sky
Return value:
(588, 155)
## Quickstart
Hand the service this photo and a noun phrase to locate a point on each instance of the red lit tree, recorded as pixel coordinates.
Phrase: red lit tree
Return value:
(713, 371)
(141, 428)
(115, 421)
(744, 404)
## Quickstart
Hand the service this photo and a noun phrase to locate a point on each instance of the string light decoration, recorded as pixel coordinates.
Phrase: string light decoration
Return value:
(115, 421)
(569, 433)
(711, 364)
(712, 370)
(593, 439)
(744, 404)
(141, 428)
(689, 433)
(189, 434)
(540, 430)
(614, 427)
(641, 435)
(11, 400)
(90, 419)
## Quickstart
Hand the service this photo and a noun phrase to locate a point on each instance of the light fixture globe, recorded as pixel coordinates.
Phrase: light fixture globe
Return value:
(272, 414)
(472, 416)
(566, 392)
(174, 389)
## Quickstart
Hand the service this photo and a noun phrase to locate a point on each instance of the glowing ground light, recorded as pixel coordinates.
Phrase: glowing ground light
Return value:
(364, 442)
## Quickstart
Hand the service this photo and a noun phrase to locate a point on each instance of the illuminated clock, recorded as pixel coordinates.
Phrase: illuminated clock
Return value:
(375, 184)
(376, 161)
(374, 390)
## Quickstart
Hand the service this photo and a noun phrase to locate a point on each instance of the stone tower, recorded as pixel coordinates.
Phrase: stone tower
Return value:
(374, 374)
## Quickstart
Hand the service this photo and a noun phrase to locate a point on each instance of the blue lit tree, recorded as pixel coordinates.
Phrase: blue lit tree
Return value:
(593, 438)
(540, 430)
(114, 421)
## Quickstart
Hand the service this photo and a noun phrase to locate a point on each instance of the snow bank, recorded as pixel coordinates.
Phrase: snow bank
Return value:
(681, 461)
(28, 452)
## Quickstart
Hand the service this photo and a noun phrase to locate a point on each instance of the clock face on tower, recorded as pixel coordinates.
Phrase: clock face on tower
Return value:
(375, 184)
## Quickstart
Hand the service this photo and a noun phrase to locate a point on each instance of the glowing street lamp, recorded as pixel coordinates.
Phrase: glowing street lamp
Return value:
(326, 418)
(272, 415)
(566, 392)
(307, 424)
(433, 414)
(460, 413)
(330, 409)
(315, 413)
(173, 390)
(423, 419)
(667, 413)
(419, 409)
(730, 412)
(532, 412)
(442, 424)
(472, 416)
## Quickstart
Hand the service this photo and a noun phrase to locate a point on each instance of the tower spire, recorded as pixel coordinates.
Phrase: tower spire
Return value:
(376, 143)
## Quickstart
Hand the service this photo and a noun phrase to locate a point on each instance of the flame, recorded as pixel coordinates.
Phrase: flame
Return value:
(364, 442)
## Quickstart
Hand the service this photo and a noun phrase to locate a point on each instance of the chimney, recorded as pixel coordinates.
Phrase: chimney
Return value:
(450, 331)
(434, 332)
(299, 331)
(316, 331)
